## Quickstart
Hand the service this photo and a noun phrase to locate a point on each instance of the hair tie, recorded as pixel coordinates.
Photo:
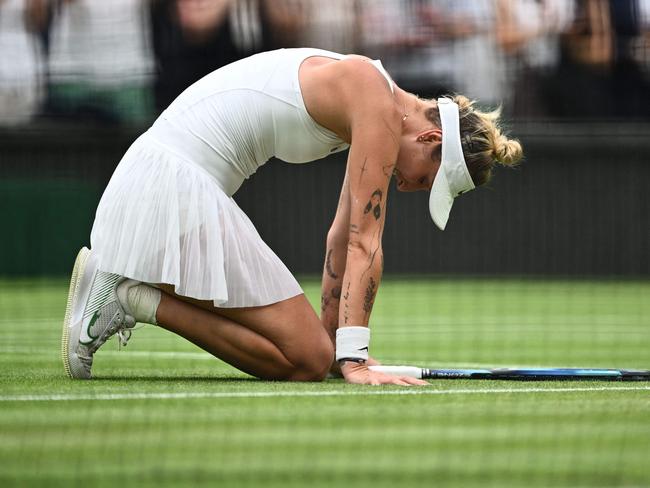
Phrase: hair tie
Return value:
(469, 142)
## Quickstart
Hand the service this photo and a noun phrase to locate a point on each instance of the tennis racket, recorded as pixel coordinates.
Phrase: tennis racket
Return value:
(520, 374)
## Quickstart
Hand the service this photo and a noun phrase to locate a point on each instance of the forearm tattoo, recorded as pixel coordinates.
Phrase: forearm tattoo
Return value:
(336, 293)
(346, 307)
(328, 265)
(369, 298)
(324, 302)
(326, 299)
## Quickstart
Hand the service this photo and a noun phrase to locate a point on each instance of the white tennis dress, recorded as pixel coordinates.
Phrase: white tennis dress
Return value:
(167, 214)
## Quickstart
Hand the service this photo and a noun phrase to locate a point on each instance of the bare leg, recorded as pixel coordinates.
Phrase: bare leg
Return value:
(281, 341)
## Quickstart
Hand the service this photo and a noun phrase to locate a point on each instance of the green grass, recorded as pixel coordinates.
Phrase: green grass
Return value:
(163, 413)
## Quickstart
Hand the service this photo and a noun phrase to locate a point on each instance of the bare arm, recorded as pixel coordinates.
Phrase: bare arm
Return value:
(375, 126)
(352, 98)
(364, 263)
(335, 261)
(334, 268)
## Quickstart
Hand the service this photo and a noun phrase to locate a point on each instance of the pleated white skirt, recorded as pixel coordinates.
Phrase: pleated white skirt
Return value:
(163, 219)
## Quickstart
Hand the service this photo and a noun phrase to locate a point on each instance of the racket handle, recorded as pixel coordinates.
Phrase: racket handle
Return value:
(412, 371)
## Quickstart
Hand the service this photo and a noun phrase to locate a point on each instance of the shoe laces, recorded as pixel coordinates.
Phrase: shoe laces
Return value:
(123, 335)
(124, 330)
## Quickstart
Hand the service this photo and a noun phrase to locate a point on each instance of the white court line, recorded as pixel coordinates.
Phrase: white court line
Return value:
(328, 393)
(204, 356)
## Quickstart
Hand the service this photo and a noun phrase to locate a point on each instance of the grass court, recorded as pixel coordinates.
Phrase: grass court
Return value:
(161, 412)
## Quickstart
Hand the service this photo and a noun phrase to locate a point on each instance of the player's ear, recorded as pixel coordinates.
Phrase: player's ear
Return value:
(430, 135)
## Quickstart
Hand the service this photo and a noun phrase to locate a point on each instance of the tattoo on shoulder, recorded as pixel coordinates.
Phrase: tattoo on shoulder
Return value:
(374, 204)
(328, 265)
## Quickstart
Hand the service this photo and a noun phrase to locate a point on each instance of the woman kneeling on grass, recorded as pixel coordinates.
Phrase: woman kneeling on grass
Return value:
(171, 247)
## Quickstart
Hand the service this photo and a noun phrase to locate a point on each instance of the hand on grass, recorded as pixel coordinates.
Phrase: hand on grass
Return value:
(358, 373)
(335, 370)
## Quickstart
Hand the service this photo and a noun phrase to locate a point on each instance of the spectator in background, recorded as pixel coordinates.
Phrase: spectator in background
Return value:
(627, 72)
(599, 63)
(466, 27)
(642, 51)
(286, 20)
(528, 35)
(192, 38)
(426, 40)
(644, 17)
(586, 63)
(396, 31)
(334, 28)
(21, 62)
(100, 62)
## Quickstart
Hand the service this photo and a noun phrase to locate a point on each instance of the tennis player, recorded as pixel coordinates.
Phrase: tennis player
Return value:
(171, 247)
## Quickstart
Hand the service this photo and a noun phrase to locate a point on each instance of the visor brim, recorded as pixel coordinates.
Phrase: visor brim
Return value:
(440, 200)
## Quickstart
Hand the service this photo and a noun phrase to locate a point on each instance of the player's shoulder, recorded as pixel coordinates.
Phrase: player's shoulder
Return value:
(361, 73)
(363, 85)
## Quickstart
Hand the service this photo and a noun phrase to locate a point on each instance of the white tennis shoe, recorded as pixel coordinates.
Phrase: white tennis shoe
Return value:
(97, 309)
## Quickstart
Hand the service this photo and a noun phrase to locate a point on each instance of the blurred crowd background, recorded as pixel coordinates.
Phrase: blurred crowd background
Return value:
(121, 62)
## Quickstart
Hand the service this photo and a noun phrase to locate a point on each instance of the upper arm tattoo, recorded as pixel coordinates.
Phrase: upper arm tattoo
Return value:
(374, 204)
(363, 168)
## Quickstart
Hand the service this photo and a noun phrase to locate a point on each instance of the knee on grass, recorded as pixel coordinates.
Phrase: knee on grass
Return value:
(314, 364)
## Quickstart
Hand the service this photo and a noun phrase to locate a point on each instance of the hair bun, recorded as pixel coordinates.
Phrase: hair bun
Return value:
(507, 151)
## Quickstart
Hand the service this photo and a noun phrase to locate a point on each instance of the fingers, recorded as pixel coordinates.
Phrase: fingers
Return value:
(386, 379)
(415, 381)
(401, 382)
(408, 381)
(360, 374)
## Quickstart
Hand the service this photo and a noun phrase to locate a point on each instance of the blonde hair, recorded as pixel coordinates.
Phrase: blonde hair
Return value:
(484, 143)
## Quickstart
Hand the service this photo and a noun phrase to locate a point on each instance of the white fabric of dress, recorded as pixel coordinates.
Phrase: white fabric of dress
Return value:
(167, 214)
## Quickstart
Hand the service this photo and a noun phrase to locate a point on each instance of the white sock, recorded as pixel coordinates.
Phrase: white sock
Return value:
(143, 301)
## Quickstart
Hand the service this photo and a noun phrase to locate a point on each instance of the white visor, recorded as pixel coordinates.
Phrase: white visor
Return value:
(453, 177)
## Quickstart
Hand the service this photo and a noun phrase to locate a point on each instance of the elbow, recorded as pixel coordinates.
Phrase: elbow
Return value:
(357, 247)
(362, 249)
(337, 237)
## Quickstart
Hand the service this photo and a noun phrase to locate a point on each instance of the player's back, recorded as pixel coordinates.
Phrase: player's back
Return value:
(248, 112)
